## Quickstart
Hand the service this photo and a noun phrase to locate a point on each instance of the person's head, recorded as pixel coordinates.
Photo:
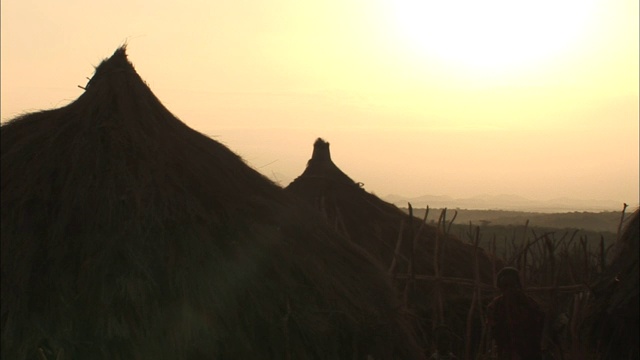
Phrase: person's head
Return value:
(508, 278)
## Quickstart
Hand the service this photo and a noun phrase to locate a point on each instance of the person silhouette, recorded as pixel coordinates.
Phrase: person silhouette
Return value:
(515, 320)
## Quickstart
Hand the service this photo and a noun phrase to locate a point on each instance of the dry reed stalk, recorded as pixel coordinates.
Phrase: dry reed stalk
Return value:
(410, 285)
(437, 289)
(443, 244)
(396, 252)
(555, 270)
(585, 252)
(505, 250)
(519, 256)
(478, 290)
(624, 208)
(567, 260)
(413, 244)
(606, 251)
(566, 247)
(476, 296)
(467, 348)
(436, 244)
(416, 237)
(493, 259)
(523, 271)
(576, 352)
(602, 258)
(455, 215)
(516, 253)
(552, 261)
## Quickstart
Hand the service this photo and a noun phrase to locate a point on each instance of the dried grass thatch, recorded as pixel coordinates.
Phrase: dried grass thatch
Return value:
(376, 226)
(612, 320)
(128, 235)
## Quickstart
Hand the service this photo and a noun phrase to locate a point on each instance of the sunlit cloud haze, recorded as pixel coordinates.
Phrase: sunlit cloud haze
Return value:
(533, 98)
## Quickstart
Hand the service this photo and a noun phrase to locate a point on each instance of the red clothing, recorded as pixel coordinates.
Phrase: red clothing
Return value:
(516, 323)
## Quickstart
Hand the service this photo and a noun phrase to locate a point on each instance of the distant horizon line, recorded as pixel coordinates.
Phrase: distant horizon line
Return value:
(510, 202)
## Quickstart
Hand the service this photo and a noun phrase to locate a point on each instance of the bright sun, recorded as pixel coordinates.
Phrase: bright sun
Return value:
(491, 35)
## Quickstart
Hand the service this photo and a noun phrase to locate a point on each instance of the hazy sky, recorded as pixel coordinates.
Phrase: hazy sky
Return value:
(534, 98)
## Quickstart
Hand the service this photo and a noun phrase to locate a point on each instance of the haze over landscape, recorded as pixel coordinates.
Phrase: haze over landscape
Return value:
(467, 100)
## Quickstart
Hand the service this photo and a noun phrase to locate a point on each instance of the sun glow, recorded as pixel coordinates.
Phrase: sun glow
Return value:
(491, 35)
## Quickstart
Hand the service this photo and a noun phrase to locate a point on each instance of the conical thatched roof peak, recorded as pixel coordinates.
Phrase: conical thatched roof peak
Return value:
(117, 62)
(321, 166)
(110, 68)
(116, 84)
(321, 152)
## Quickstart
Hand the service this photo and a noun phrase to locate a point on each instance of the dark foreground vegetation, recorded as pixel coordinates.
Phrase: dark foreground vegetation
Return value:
(573, 274)
(511, 227)
(446, 271)
(606, 221)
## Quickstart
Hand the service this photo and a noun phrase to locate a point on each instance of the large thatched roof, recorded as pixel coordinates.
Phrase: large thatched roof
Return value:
(128, 235)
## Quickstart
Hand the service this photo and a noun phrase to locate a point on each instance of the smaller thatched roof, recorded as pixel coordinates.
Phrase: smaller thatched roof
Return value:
(321, 166)
(128, 235)
(375, 224)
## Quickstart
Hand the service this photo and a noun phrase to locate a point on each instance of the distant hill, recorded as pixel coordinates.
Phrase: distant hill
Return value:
(606, 221)
(506, 202)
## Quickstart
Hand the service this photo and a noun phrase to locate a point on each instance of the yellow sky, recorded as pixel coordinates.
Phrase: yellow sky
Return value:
(538, 99)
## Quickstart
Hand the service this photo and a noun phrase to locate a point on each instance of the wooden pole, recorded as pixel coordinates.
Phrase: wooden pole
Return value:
(624, 208)
(476, 298)
(437, 289)
(410, 285)
(467, 348)
(396, 252)
(493, 260)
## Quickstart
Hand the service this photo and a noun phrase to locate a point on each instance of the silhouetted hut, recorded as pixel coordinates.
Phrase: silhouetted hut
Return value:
(613, 315)
(377, 226)
(374, 224)
(128, 235)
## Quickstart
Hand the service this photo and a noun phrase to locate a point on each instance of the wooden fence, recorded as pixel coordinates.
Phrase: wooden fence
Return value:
(555, 270)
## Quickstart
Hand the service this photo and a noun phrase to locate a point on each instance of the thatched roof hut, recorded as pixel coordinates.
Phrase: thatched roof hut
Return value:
(377, 226)
(128, 235)
(374, 224)
(613, 313)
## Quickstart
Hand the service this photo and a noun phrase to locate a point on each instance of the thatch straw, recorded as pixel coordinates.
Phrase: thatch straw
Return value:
(128, 235)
